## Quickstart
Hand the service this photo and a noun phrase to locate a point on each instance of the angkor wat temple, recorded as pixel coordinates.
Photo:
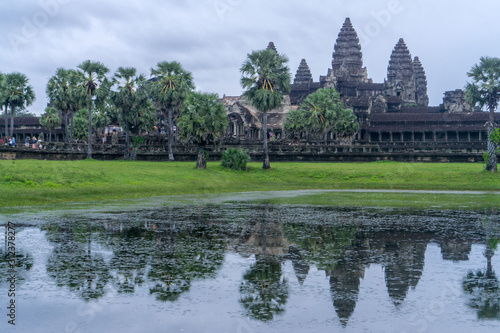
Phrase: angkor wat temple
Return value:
(395, 111)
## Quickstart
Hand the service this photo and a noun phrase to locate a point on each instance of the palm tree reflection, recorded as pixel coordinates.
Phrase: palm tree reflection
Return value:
(183, 253)
(264, 291)
(482, 286)
(73, 264)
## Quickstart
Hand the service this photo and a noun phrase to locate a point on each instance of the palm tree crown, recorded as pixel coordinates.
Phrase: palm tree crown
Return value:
(93, 83)
(130, 99)
(170, 86)
(266, 79)
(19, 94)
(485, 91)
(61, 90)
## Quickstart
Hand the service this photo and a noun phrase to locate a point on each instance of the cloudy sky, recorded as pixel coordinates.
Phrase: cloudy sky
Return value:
(212, 38)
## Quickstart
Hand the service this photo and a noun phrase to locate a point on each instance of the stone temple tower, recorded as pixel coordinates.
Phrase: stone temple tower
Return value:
(406, 78)
(347, 63)
(420, 82)
(303, 75)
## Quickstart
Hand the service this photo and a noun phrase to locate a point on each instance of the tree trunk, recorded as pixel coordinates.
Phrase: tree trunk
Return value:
(11, 121)
(126, 156)
(50, 135)
(201, 163)
(6, 121)
(266, 165)
(170, 137)
(71, 130)
(66, 126)
(134, 154)
(492, 161)
(89, 144)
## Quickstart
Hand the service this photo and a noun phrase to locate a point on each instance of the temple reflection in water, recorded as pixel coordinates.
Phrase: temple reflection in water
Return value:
(166, 250)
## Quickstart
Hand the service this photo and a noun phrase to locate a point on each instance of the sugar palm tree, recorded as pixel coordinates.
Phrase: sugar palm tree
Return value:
(61, 89)
(203, 121)
(131, 100)
(19, 95)
(94, 87)
(484, 91)
(50, 120)
(3, 98)
(266, 79)
(170, 86)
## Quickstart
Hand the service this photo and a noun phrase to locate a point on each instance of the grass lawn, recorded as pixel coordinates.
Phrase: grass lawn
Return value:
(34, 182)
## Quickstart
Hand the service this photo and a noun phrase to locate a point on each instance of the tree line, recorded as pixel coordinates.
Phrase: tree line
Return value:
(88, 97)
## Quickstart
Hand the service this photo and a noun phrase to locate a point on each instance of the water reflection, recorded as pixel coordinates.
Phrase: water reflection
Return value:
(264, 290)
(23, 262)
(482, 286)
(167, 250)
(73, 264)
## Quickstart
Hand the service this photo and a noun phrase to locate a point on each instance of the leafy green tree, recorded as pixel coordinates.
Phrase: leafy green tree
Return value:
(266, 79)
(321, 112)
(132, 102)
(81, 126)
(50, 120)
(19, 95)
(61, 91)
(203, 121)
(94, 88)
(347, 125)
(294, 124)
(484, 91)
(170, 86)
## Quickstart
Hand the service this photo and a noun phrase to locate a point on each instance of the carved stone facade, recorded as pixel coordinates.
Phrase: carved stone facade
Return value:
(406, 83)
(396, 110)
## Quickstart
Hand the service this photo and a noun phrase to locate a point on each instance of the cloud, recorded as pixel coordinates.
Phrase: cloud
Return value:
(211, 38)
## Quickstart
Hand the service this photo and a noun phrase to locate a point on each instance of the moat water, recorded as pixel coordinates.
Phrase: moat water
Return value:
(244, 267)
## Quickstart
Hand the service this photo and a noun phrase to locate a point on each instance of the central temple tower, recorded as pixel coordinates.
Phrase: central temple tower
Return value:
(347, 63)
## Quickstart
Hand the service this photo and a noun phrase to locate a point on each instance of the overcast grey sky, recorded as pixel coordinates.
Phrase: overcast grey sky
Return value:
(212, 38)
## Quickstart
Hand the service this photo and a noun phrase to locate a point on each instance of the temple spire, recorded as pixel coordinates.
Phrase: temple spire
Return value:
(421, 83)
(303, 75)
(400, 64)
(401, 75)
(272, 47)
(347, 63)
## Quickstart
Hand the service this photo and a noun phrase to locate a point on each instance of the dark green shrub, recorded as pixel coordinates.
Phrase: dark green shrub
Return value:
(235, 159)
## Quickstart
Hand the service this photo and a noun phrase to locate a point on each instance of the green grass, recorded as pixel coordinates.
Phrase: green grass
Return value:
(34, 182)
(476, 202)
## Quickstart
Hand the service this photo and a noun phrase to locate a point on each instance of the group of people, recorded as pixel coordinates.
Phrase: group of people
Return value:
(9, 141)
(33, 142)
